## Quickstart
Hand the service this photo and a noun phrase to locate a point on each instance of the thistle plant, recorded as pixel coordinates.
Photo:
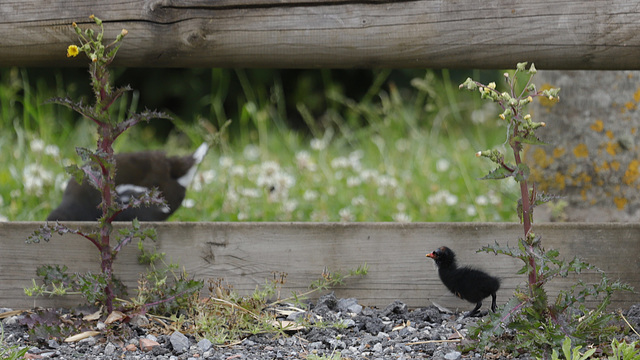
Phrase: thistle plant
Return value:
(99, 164)
(540, 326)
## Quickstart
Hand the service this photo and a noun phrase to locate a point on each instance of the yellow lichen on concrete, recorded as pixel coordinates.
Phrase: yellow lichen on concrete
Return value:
(615, 165)
(631, 175)
(560, 181)
(541, 158)
(636, 95)
(612, 148)
(559, 151)
(630, 105)
(600, 168)
(597, 126)
(610, 134)
(581, 151)
(620, 202)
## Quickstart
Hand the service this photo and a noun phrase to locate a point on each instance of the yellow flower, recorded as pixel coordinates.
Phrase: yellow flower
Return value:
(72, 51)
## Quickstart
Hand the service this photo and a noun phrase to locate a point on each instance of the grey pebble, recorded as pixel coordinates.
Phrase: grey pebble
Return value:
(204, 345)
(179, 342)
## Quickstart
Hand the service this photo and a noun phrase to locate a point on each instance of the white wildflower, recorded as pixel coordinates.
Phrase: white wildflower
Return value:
(237, 171)
(225, 162)
(203, 178)
(35, 177)
(442, 197)
(188, 203)
(289, 206)
(251, 152)
(340, 162)
(353, 181)
(250, 192)
(318, 144)
(242, 216)
(451, 200)
(401, 218)
(346, 215)
(358, 201)
(310, 195)
(471, 210)
(37, 145)
(482, 200)
(368, 174)
(52, 150)
(304, 162)
(442, 165)
(3, 218)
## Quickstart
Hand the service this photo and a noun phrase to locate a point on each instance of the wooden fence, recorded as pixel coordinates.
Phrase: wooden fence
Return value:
(247, 254)
(594, 34)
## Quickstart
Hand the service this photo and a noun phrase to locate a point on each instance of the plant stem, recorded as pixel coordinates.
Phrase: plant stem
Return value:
(516, 146)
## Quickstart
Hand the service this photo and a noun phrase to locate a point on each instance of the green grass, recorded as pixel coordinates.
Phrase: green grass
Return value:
(396, 154)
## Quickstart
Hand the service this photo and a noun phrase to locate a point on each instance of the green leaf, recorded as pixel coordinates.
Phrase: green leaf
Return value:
(530, 139)
(544, 198)
(75, 172)
(497, 174)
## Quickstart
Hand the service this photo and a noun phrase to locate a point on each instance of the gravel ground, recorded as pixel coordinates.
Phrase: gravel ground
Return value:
(394, 332)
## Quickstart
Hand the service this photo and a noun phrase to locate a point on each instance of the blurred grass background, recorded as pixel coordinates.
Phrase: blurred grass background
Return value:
(302, 145)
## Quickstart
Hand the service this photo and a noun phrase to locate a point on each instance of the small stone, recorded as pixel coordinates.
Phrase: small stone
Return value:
(131, 347)
(377, 347)
(454, 355)
(90, 341)
(204, 345)
(11, 320)
(52, 344)
(109, 349)
(140, 321)
(152, 337)
(348, 322)
(349, 305)
(179, 342)
(147, 344)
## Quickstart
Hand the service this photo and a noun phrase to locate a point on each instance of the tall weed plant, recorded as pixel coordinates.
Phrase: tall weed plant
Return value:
(537, 325)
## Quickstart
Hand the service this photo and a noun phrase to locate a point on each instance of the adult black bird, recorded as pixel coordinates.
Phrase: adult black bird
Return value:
(136, 173)
(466, 283)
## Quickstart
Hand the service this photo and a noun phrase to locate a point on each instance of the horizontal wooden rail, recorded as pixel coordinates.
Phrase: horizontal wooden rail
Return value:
(247, 254)
(595, 34)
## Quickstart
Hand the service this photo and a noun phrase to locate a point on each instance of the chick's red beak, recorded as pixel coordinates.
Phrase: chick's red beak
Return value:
(432, 255)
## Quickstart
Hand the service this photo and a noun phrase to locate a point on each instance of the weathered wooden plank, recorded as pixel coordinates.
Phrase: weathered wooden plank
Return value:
(247, 254)
(597, 34)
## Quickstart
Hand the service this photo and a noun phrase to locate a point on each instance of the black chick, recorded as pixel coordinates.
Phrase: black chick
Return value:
(466, 283)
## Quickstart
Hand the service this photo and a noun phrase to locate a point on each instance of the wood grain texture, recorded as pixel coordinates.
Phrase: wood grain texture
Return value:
(247, 255)
(564, 34)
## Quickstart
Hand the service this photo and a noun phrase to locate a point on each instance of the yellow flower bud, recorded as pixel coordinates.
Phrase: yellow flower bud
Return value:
(527, 117)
